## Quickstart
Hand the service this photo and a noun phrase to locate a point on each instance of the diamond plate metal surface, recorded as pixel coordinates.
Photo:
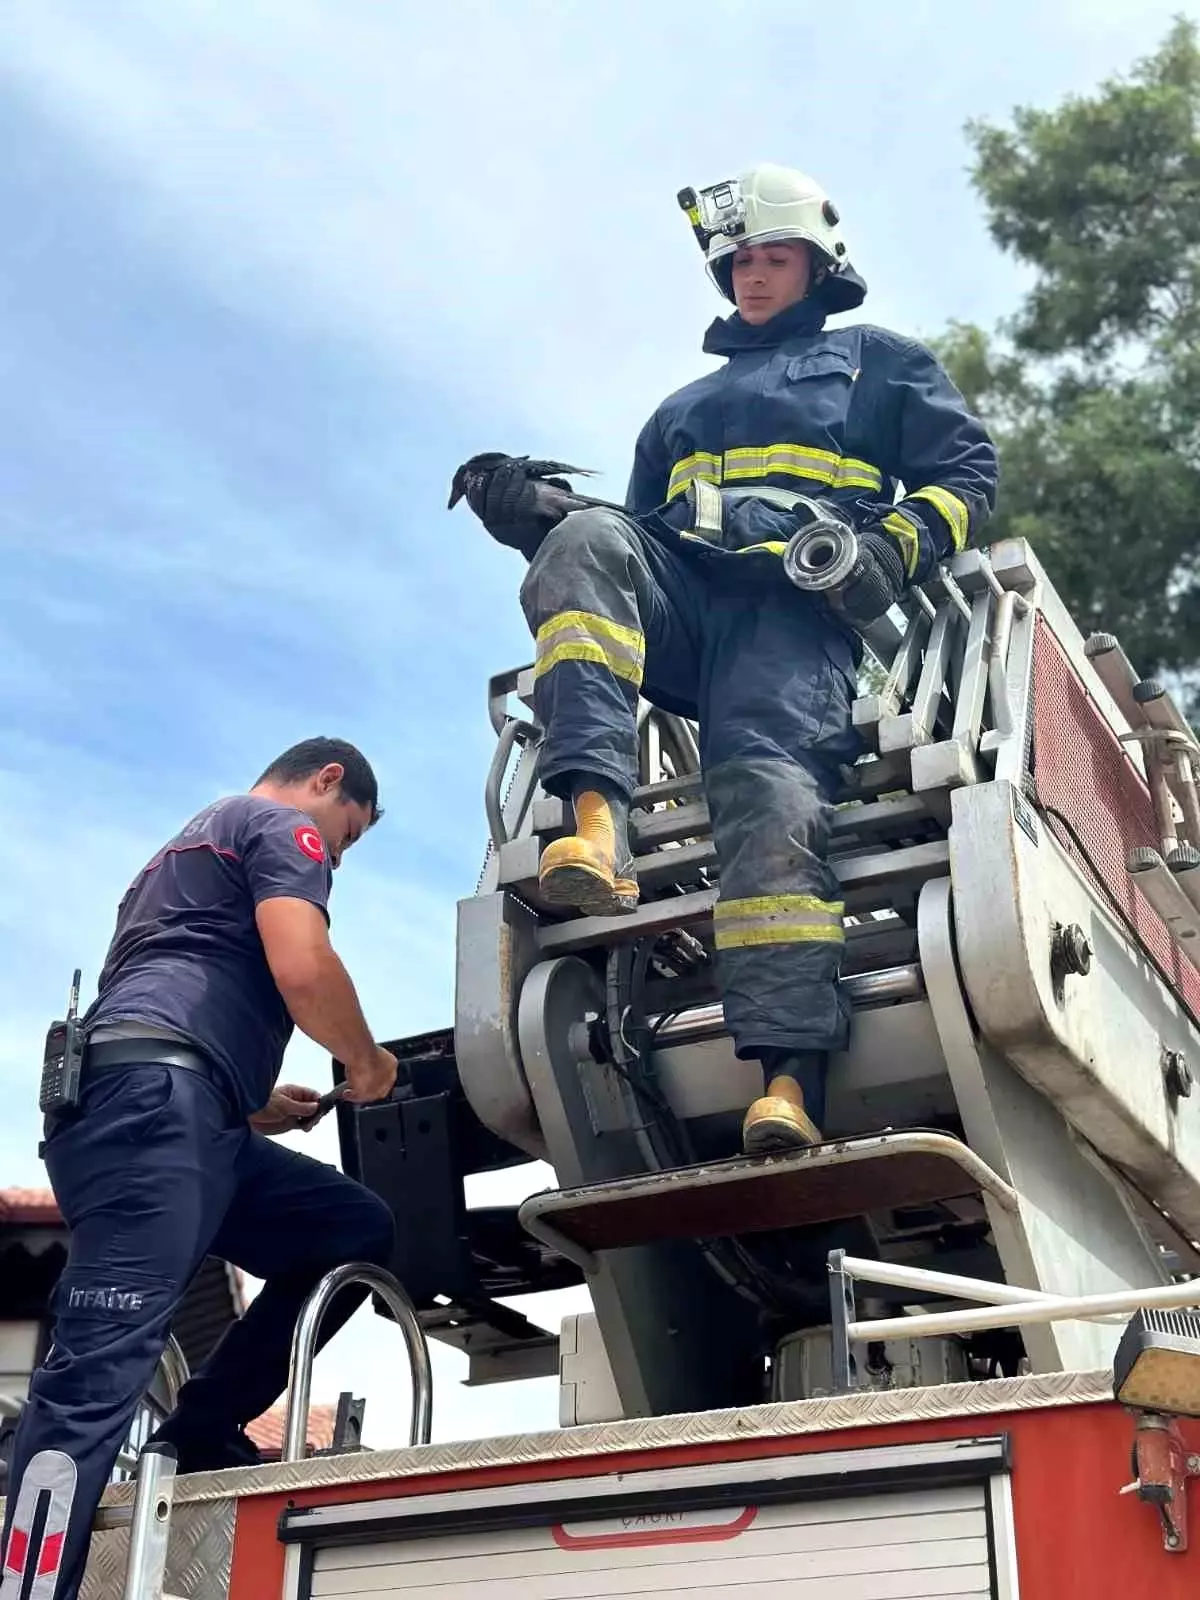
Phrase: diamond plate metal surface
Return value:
(784, 1420)
(198, 1560)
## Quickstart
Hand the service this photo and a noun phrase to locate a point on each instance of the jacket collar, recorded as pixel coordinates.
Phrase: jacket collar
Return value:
(728, 336)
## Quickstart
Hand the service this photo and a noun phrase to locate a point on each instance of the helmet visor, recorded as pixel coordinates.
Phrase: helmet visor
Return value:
(727, 247)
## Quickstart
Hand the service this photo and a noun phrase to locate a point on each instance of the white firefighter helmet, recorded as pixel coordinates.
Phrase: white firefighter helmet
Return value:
(762, 204)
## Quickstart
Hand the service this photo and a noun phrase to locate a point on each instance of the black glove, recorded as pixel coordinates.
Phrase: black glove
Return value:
(876, 582)
(515, 498)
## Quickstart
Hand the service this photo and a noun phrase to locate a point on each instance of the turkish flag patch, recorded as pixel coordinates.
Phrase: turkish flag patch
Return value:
(310, 841)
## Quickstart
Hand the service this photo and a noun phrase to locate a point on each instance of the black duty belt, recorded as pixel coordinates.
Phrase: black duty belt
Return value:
(144, 1052)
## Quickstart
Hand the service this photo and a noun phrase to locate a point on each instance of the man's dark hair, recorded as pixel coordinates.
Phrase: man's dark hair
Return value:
(358, 784)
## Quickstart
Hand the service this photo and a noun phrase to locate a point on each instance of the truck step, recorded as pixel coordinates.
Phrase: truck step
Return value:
(745, 1195)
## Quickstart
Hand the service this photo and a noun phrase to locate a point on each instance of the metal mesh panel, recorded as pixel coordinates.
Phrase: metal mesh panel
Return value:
(1080, 769)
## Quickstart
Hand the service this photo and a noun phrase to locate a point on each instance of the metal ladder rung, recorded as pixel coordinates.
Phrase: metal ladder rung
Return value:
(519, 866)
(684, 788)
(650, 830)
(647, 830)
(1166, 895)
(862, 880)
(881, 775)
(876, 776)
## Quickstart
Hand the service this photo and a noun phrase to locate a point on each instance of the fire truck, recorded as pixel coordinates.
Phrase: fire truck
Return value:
(948, 1351)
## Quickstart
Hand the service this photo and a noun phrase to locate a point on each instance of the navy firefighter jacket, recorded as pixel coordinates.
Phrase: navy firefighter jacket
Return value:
(847, 415)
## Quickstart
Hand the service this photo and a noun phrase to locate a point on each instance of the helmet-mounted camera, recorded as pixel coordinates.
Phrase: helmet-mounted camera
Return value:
(719, 209)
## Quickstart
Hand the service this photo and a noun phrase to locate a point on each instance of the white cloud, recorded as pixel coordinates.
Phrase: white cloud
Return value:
(493, 191)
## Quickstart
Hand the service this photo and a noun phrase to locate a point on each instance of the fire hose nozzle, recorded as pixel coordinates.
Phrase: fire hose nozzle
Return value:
(821, 556)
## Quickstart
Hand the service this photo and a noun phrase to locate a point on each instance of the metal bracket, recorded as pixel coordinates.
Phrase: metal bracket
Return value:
(347, 1425)
(1177, 1076)
(841, 1315)
(1070, 956)
(1162, 1467)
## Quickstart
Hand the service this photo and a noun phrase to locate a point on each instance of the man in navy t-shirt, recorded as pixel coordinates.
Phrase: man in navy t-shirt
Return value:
(221, 947)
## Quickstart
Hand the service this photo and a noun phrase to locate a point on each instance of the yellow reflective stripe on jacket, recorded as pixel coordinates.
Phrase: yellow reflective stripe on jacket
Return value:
(751, 462)
(801, 461)
(778, 919)
(702, 464)
(954, 510)
(583, 636)
(907, 536)
(852, 474)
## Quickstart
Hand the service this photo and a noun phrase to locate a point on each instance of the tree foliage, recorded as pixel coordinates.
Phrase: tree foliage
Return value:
(1092, 389)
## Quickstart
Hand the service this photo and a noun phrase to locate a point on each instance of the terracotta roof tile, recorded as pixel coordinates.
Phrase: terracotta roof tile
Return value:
(267, 1430)
(29, 1206)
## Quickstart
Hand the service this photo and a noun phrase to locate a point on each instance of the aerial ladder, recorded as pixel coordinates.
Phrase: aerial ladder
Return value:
(915, 1360)
(1015, 1106)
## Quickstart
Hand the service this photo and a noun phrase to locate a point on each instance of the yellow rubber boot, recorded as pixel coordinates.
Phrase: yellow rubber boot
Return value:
(778, 1120)
(592, 869)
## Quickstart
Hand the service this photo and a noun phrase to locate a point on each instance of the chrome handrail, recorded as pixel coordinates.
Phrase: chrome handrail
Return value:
(173, 1369)
(304, 1349)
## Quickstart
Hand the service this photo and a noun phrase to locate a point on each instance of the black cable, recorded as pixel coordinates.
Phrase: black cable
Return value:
(730, 1258)
(1069, 829)
(668, 1137)
(624, 989)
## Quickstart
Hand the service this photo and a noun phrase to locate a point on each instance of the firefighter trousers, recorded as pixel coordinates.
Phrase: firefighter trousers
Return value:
(153, 1174)
(617, 611)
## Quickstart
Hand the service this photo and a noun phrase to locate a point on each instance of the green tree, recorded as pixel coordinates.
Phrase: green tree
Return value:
(1092, 389)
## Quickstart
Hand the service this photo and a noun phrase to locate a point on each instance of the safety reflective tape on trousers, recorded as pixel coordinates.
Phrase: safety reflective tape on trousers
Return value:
(39, 1527)
(773, 547)
(953, 510)
(778, 919)
(583, 636)
(751, 462)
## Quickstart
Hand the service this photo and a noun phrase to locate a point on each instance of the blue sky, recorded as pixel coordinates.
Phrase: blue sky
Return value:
(269, 270)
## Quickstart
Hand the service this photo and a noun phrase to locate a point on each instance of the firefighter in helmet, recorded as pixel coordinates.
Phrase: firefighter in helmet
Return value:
(681, 597)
